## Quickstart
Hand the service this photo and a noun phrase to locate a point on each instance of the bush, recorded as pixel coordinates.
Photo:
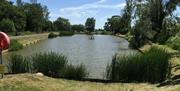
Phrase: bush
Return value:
(74, 72)
(52, 35)
(66, 33)
(19, 64)
(152, 66)
(174, 42)
(15, 45)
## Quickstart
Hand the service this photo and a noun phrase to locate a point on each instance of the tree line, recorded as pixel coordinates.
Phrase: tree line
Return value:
(34, 17)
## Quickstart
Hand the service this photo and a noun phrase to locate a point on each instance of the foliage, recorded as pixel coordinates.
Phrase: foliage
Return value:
(90, 24)
(49, 64)
(174, 42)
(121, 24)
(15, 45)
(34, 14)
(62, 24)
(66, 33)
(19, 64)
(152, 19)
(152, 66)
(52, 35)
(74, 72)
(7, 25)
(113, 24)
(78, 28)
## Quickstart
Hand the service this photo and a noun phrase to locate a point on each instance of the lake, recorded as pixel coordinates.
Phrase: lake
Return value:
(94, 54)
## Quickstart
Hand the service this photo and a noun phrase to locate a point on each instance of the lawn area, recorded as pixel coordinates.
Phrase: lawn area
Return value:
(32, 82)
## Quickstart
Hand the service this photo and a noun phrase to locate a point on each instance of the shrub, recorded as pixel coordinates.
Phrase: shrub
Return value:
(15, 45)
(52, 35)
(152, 66)
(66, 33)
(74, 72)
(174, 42)
(49, 64)
(19, 64)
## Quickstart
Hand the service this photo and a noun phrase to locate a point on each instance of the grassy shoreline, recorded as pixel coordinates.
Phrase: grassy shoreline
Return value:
(32, 82)
(29, 39)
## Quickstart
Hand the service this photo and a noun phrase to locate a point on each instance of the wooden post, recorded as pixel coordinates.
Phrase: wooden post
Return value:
(1, 63)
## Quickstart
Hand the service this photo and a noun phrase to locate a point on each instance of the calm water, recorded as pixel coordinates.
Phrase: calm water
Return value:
(94, 54)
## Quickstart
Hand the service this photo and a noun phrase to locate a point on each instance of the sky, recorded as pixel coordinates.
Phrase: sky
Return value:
(77, 11)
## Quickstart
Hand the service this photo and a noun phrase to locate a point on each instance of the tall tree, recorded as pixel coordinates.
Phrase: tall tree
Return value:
(126, 19)
(35, 17)
(90, 24)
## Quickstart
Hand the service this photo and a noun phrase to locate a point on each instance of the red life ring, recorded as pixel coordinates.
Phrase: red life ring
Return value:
(4, 41)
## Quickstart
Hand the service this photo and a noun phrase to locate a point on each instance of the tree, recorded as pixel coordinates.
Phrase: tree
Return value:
(15, 14)
(90, 24)
(151, 23)
(113, 23)
(48, 26)
(35, 17)
(62, 24)
(126, 17)
(78, 28)
(7, 26)
(107, 26)
(19, 3)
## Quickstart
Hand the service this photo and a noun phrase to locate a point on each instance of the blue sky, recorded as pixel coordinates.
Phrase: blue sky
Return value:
(77, 11)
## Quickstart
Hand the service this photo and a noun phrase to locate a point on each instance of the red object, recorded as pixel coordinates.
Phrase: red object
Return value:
(4, 41)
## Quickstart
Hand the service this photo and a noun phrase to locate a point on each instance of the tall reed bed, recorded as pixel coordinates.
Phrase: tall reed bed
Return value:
(19, 64)
(50, 64)
(152, 66)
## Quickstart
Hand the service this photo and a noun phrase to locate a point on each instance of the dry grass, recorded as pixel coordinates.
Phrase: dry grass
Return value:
(30, 82)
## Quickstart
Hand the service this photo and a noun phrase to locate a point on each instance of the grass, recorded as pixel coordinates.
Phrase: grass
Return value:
(153, 66)
(66, 33)
(15, 45)
(31, 82)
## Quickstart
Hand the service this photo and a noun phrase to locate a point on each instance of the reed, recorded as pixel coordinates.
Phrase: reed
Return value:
(152, 66)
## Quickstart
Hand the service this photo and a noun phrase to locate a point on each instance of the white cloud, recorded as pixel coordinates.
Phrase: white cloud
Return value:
(89, 9)
(78, 14)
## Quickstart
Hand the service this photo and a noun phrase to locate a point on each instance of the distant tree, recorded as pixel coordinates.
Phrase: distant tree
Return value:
(7, 26)
(90, 24)
(48, 26)
(114, 23)
(107, 26)
(78, 28)
(62, 24)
